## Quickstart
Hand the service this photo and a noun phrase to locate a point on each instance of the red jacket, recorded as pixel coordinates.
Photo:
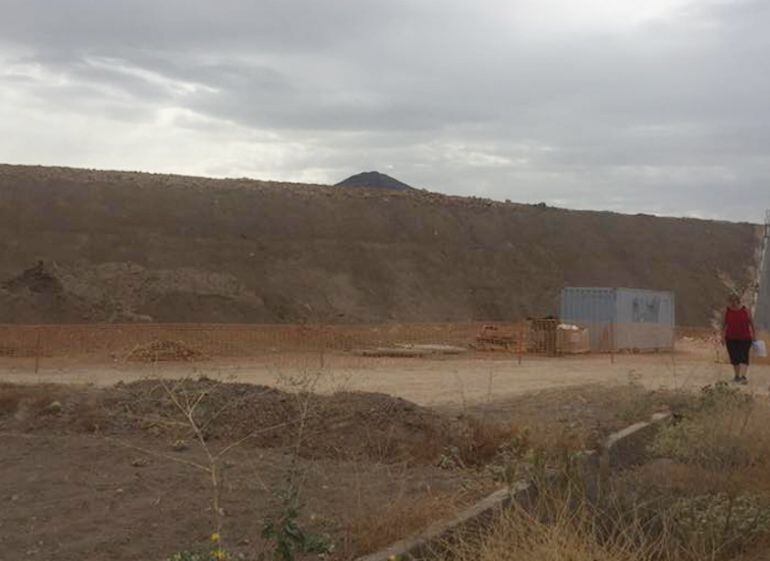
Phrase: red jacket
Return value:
(738, 325)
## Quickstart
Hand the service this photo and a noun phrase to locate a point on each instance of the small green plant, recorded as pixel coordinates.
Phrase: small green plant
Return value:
(721, 521)
(190, 556)
(216, 553)
(722, 396)
(515, 459)
(714, 433)
(711, 445)
(288, 538)
(641, 401)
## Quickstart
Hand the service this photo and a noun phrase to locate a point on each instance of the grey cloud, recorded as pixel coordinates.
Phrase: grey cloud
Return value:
(450, 94)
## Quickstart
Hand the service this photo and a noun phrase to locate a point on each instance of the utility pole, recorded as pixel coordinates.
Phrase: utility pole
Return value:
(761, 311)
(767, 227)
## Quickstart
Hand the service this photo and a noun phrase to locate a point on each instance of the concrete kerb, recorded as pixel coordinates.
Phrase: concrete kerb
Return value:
(429, 539)
(620, 450)
(627, 447)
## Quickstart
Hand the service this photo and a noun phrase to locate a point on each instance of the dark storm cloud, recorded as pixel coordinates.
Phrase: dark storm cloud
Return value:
(667, 114)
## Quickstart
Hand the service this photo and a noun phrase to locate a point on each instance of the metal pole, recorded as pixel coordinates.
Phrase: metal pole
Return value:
(761, 290)
(37, 351)
(612, 342)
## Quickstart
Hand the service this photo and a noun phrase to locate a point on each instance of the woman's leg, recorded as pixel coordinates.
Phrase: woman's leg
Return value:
(732, 352)
(744, 362)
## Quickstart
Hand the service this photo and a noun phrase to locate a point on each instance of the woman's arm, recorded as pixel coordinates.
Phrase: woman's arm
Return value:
(751, 326)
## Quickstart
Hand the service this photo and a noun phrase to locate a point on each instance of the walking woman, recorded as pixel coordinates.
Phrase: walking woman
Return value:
(738, 335)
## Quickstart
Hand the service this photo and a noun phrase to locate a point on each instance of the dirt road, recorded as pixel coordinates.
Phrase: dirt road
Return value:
(441, 381)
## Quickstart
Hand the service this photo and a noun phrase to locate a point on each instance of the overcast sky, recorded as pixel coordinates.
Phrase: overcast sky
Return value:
(657, 106)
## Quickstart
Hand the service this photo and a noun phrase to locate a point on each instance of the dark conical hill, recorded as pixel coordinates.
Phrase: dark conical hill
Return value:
(374, 180)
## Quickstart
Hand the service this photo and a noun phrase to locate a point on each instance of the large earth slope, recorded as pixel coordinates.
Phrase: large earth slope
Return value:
(120, 246)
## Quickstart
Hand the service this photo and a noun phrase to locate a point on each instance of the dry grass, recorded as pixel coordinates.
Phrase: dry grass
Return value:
(405, 516)
(706, 498)
(566, 526)
(484, 441)
(559, 422)
(561, 532)
(42, 405)
(21, 400)
(727, 433)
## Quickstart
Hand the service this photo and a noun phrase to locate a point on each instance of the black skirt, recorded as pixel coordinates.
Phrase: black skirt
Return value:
(738, 351)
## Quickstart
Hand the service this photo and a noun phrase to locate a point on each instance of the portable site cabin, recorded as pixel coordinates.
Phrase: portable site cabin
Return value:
(621, 319)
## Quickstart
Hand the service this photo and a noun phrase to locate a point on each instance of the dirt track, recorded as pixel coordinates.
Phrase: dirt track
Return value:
(446, 381)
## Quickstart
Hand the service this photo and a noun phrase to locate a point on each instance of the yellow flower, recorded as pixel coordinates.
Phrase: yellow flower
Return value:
(220, 555)
(215, 537)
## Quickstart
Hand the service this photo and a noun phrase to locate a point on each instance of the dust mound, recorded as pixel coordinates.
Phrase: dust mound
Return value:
(37, 279)
(345, 425)
(381, 427)
(164, 351)
(38, 294)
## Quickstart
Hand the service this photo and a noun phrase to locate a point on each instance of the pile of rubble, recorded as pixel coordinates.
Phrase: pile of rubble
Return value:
(497, 338)
(164, 351)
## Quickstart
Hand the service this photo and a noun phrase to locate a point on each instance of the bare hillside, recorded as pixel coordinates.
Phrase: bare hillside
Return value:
(119, 246)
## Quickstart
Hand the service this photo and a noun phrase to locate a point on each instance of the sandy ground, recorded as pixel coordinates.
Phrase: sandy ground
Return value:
(452, 380)
(73, 495)
(81, 498)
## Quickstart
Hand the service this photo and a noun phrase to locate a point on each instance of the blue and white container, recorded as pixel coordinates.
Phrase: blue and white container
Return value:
(621, 319)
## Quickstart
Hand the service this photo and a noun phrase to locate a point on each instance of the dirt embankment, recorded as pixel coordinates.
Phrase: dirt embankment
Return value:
(145, 247)
(342, 426)
(123, 469)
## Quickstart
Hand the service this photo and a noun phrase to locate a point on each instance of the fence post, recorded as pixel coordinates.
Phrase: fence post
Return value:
(322, 345)
(673, 361)
(612, 342)
(37, 349)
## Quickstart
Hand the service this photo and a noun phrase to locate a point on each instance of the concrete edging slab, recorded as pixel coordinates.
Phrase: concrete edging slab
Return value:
(620, 449)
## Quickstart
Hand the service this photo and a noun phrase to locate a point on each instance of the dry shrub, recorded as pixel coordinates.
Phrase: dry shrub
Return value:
(579, 417)
(405, 516)
(728, 431)
(564, 525)
(677, 478)
(565, 534)
(757, 553)
(482, 441)
(713, 480)
(27, 400)
(10, 396)
(52, 406)
(707, 500)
